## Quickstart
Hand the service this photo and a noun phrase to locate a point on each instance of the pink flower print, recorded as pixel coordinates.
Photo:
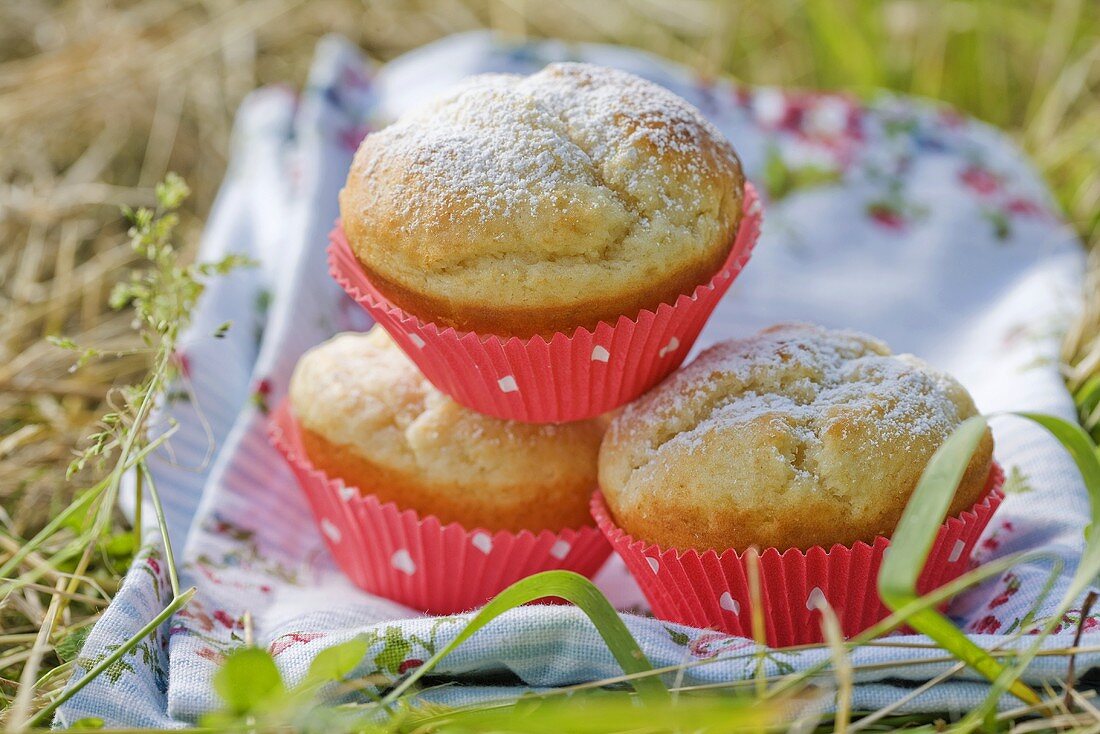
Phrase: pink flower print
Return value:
(410, 664)
(794, 114)
(293, 639)
(351, 137)
(227, 620)
(1024, 207)
(950, 118)
(711, 644)
(742, 95)
(1012, 585)
(886, 215)
(261, 393)
(1070, 621)
(209, 653)
(980, 180)
(993, 541)
(224, 527)
(196, 615)
(1015, 335)
(354, 78)
(183, 362)
(825, 118)
(987, 625)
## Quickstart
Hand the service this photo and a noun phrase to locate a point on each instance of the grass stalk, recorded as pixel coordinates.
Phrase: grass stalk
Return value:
(162, 523)
(177, 603)
(842, 665)
(82, 503)
(17, 714)
(139, 500)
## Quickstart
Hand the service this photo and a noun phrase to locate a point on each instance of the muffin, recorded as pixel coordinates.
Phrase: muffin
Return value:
(367, 416)
(523, 206)
(796, 437)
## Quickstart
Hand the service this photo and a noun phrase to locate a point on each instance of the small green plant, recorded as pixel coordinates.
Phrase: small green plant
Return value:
(162, 295)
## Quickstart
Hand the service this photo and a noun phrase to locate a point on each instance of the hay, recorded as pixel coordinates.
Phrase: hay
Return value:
(98, 101)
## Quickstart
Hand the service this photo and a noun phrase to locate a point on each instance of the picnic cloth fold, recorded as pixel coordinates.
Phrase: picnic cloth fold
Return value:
(895, 216)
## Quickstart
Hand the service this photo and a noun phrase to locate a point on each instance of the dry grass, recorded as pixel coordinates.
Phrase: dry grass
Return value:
(99, 99)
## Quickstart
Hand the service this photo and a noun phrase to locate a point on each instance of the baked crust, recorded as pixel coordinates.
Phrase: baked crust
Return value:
(530, 205)
(370, 418)
(528, 506)
(796, 437)
(490, 318)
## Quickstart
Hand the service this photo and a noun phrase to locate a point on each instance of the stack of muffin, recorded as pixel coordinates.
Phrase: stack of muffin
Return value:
(539, 252)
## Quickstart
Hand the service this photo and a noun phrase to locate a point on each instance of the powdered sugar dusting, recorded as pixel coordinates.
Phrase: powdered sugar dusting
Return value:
(501, 145)
(808, 380)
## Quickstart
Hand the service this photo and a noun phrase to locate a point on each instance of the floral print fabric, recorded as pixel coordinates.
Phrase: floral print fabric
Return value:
(894, 216)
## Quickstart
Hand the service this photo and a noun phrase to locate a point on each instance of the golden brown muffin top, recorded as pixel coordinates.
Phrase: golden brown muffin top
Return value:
(361, 391)
(795, 437)
(543, 191)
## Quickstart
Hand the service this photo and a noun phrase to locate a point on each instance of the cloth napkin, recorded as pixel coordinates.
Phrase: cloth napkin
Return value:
(894, 216)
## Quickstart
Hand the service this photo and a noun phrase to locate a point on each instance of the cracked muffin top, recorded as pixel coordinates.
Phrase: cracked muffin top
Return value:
(369, 417)
(798, 436)
(531, 205)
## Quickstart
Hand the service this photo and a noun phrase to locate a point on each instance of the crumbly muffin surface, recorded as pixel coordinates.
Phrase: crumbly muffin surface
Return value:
(798, 436)
(369, 417)
(522, 205)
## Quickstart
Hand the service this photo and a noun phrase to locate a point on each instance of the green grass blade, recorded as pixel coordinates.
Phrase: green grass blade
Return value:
(573, 588)
(1081, 448)
(80, 504)
(1087, 399)
(162, 524)
(919, 524)
(597, 712)
(913, 539)
(844, 44)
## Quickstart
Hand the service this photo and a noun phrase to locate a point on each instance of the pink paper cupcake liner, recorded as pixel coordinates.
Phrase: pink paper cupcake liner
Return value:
(565, 378)
(711, 590)
(418, 560)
